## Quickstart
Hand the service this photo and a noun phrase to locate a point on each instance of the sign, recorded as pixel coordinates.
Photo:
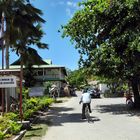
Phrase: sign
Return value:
(36, 91)
(7, 81)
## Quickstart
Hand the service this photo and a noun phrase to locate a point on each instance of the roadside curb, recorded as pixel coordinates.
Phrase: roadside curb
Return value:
(21, 134)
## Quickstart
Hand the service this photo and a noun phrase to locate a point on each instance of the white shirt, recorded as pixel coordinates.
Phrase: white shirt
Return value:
(86, 98)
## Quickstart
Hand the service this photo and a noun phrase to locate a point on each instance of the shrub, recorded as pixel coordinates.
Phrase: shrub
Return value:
(14, 127)
(34, 104)
(108, 94)
(1, 135)
(46, 101)
(3, 123)
(28, 113)
(11, 116)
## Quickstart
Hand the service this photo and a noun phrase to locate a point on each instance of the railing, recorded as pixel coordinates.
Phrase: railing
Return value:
(49, 76)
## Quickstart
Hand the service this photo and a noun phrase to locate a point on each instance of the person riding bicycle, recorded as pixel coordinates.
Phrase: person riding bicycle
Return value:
(86, 100)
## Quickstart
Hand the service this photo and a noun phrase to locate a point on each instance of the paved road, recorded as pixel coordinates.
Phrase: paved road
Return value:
(111, 121)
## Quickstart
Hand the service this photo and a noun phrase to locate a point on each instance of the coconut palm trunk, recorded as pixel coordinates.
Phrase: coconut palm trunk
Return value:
(21, 78)
(7, 56)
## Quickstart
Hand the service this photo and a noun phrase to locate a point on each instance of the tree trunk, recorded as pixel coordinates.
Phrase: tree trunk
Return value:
(7, 91)
(21, 78)
(7, 56)
(134, 84)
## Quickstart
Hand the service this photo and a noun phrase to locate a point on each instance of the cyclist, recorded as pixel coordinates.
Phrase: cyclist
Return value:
(86, 100)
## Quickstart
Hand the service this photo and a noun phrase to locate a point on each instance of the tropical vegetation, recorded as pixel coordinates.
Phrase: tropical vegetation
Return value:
(22, 22)
(9, 122)
(106, 34)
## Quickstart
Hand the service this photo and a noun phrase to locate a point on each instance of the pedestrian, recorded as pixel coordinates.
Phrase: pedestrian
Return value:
(86, 100)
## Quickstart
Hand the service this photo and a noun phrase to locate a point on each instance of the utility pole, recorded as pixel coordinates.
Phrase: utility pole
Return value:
(2, 34)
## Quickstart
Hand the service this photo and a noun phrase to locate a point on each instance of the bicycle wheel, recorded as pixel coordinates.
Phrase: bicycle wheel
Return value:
(87, 114)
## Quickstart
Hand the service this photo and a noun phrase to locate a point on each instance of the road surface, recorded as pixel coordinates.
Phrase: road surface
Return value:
(110, 121)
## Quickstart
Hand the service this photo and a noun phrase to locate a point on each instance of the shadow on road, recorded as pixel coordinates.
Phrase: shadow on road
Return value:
(117, 109)
(57, 116)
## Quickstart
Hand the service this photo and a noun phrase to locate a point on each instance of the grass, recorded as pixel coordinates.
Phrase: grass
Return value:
(36, 132)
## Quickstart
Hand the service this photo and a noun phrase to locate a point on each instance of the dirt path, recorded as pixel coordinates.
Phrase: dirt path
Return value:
(111, 121)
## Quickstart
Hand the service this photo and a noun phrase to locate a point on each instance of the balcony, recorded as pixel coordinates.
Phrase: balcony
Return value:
(49, 77)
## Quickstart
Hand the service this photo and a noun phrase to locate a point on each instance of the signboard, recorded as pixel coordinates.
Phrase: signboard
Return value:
(7, 81)
(36, 91)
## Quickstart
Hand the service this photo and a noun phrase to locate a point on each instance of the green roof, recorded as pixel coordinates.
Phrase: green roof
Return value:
(48, 61)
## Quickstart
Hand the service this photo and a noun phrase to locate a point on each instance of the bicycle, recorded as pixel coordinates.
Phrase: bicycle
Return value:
(87, 113)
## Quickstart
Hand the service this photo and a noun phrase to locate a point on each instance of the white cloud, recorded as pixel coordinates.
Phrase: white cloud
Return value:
(69, 12)
(56, 3)
(69, 3)
(72, 4)
(71, 8)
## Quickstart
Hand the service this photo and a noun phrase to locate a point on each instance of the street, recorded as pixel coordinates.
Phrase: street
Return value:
(110, 121)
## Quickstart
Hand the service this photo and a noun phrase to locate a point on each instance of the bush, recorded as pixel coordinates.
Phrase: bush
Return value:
(1, 135)
(45, 101)
(14, 127)
(34, 104)
(108, 94)
(11, 116)
(4, 123)
(28, 113)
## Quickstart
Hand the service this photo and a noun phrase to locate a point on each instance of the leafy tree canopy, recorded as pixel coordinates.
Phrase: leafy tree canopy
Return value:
(107, 33)
(77, 78)
(23, 24)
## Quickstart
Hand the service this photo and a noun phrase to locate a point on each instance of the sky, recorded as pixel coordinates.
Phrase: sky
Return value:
(56, 13)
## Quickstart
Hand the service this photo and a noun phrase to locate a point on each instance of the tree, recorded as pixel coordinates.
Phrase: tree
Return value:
(22, 26)
(33, 59)
(77, 78)
(107, 33)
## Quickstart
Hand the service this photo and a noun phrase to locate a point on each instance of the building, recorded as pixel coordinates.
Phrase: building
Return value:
(46, 72)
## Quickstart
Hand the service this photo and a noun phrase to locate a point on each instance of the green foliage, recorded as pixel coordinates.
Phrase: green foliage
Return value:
(8, 122)
(14, 127)
(29, 75)
(77, 78)
(4, 123)
(28, 113)
(11, 116)
(45, 101)
(33, 104)
(47, 86)
(25, 93)
(107, 37)
(109, 94)
(1, 135)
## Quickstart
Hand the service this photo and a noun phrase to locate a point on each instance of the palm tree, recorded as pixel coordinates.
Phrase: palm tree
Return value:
(22, 27)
